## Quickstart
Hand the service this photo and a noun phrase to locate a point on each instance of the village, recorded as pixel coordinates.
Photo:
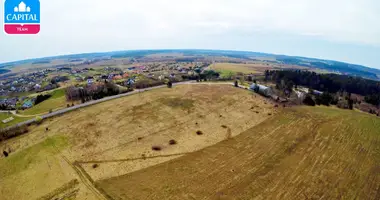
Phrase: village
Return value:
(15, 91)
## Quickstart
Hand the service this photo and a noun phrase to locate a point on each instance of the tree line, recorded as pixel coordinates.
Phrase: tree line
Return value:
(329, 83)
(92, 92)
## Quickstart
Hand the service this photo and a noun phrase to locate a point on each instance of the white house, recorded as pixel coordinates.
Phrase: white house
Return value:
(90, 81)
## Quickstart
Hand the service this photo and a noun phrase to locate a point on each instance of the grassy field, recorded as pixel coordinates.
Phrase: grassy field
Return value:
(244, 68)
(228, 144)
(301, 153)
(118, 137)
(13, 122)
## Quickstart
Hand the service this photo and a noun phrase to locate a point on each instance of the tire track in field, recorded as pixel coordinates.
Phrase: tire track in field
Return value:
(84, 177)
(131, 159)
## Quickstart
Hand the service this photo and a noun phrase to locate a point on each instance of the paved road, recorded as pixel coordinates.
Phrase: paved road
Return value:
(89, 103)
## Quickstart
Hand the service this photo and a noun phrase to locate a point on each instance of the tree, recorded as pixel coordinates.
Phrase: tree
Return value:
(170, 84)
(38, 120)
(40, 98)
(350, 104)
(267, 74)
(309, 101)
(324, 99)
(236, 83)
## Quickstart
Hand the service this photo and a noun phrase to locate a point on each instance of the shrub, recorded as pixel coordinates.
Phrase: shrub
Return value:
(170, 84)
(5, 153)
(68, 105)
(95, 165)
(172, 142)
(224, 126)
(199, 133)
(156, 148)
(309, 101)
(38, 120)
(40, 98)
(13, 132)
(236, 84)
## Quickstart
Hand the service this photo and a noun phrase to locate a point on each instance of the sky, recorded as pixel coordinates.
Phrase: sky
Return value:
(343, 30)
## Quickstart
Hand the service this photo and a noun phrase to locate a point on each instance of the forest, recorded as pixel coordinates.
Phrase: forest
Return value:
(331, 83)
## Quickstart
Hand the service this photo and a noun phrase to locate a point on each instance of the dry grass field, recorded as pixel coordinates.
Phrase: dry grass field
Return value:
(116, 137)
(254, 68)
(301, 153)
(193, 141)
(244, 68)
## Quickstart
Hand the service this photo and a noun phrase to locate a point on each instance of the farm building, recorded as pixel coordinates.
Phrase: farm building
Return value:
(261, 89)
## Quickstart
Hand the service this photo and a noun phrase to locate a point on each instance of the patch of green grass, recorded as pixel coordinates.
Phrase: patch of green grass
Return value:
(44, 107)
(57, 93)
(226, 73)
(57, 100)
(19, 161)
(13, 122)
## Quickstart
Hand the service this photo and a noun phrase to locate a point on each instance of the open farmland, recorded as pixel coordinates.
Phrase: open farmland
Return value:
(250, 68)
(232, 67)
(116, 137)
(301, 153)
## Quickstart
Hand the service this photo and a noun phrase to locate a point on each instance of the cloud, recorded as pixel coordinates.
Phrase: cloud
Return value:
(342, 20)
(71, 26)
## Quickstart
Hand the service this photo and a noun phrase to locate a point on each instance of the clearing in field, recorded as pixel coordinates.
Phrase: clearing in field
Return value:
(301, 153)
(121, 136)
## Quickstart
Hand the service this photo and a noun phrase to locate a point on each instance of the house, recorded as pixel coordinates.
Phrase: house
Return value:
(37, 87)
(261, 89)
(117, 77)
(90, 81)
(126, 75)
(129, 82)
(27, 104)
